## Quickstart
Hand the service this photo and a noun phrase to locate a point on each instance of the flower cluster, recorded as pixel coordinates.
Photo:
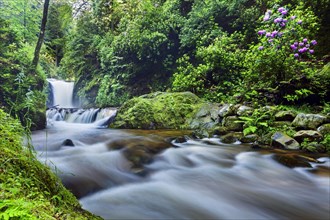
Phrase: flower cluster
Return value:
(303, 47)
(283, 24)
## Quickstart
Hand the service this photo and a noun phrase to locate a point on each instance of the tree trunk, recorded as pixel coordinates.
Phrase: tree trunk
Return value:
(41, 35)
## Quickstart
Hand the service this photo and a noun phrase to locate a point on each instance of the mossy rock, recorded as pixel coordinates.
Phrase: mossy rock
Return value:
(159, 110)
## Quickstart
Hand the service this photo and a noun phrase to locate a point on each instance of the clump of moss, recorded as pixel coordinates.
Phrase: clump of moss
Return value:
(29, 190)
(158, 111)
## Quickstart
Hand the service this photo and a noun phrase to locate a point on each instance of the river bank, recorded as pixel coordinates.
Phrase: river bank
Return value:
(264, 127)
(29, 190)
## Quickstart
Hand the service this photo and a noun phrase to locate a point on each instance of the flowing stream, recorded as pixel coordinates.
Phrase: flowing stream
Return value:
(196, 179)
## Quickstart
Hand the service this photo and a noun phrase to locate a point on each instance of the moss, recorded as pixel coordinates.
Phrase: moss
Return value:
(29, 190)
(158, 110)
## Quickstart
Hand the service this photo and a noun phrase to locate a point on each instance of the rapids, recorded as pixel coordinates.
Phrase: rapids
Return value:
(198, 179)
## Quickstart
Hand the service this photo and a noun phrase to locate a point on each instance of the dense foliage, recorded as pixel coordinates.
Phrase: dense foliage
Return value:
(118, 49)
(21, 84)
(115, 50)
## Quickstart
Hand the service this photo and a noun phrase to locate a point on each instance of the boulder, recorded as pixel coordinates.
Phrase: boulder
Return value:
(68, 142)
(291, 160)
(232, 123)
(159, 110)
(282, 140)
(309, 121)
(310, 135)
(139, 150)
(324, 129)
(285, 116)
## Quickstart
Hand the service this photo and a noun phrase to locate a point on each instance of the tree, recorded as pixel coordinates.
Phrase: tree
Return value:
(41, 35)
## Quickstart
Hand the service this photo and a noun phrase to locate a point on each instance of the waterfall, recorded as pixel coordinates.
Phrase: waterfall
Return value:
(61, 93)
(61, 107)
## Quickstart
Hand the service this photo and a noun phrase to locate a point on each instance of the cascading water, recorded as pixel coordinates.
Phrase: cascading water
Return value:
(62, 93)
(62, 108)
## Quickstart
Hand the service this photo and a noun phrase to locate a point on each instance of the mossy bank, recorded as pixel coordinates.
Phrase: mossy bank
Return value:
(29, 190)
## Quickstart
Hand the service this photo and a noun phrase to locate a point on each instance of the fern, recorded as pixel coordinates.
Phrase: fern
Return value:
(19, 209)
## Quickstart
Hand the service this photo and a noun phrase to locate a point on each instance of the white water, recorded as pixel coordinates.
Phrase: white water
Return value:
(193, 181)
(62, 93)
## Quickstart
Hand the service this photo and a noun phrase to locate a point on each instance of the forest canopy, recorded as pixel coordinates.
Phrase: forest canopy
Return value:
(226, 50)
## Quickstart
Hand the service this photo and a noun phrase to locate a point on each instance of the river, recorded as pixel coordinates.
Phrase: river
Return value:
(197, 179)
(136, 174)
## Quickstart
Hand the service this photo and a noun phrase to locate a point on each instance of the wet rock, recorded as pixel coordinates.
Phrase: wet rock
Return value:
(152, 145)
(285, 116)
(309, 121)
(68, 142)
(138, 155)
(139, 150)
(259, 146)
(324, 129)
(227, 110)
(232, 123)
(249, 138)
(244, 110)
(181, 139)
(282, 140)
(229, 138)
(310, 135)
(291, 160)
(219, 131)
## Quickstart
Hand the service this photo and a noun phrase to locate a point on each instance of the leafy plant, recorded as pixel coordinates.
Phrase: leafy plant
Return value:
(258, 123)
(284, 50)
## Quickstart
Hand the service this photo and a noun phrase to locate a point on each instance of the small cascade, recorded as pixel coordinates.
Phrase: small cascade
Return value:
(99, 116)
(61, 93)
(61, 107)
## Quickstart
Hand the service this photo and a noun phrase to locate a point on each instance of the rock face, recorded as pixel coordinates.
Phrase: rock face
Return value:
(309, 121)
(310, 135)
(282, 140)
(159, 110)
